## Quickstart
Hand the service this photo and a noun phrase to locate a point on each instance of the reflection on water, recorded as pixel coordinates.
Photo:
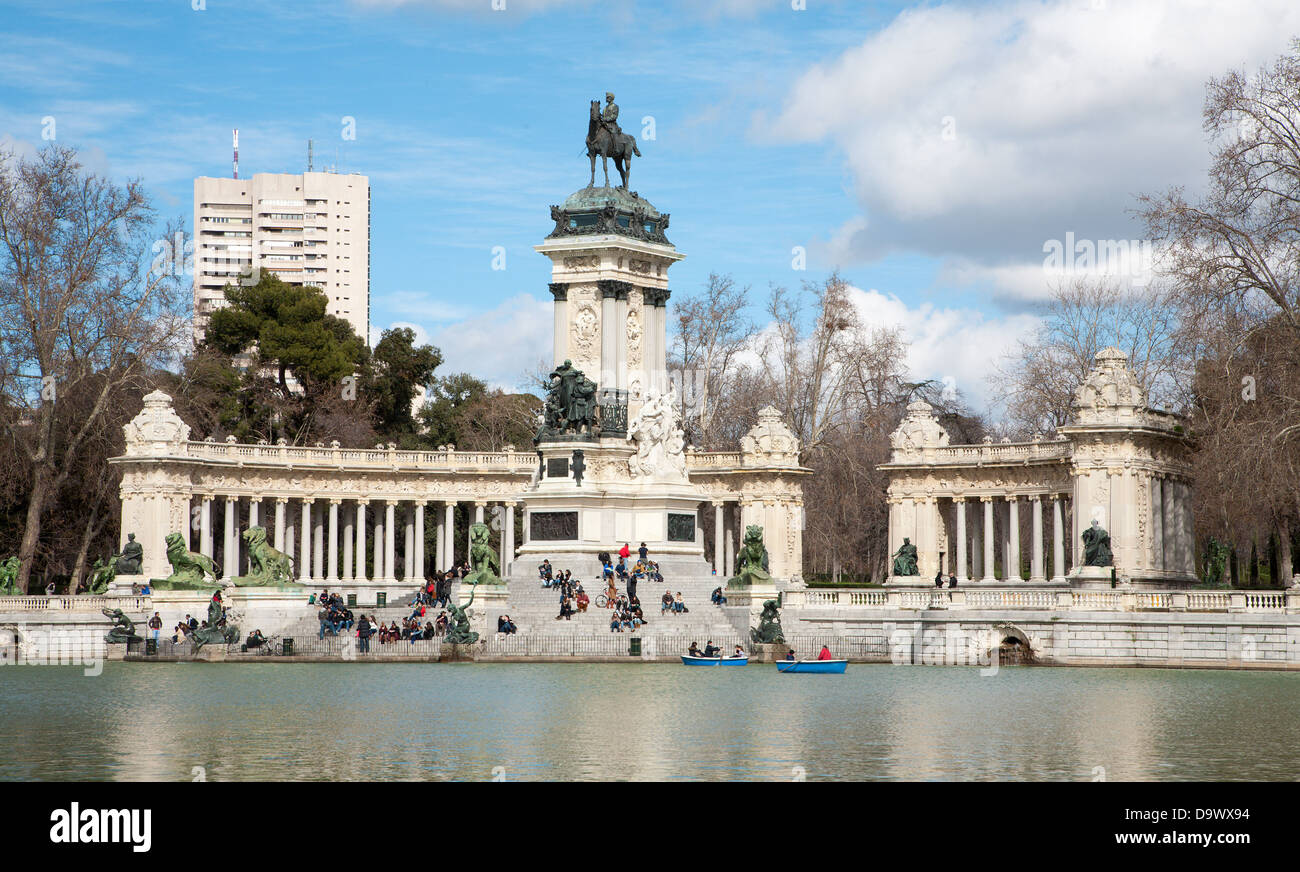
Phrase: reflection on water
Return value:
(642, 722)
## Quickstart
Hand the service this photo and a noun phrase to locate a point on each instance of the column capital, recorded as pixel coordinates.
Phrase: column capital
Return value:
(987, 498)
(280, 501)
(958, 498)
(363, 501)
(392, 502)
(334, 501)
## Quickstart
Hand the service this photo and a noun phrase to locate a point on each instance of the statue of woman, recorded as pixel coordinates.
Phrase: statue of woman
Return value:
(1096, 546)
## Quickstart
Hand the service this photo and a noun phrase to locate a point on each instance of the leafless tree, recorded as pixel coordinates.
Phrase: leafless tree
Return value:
(1037, 381)
(80, 304)
(712, 333)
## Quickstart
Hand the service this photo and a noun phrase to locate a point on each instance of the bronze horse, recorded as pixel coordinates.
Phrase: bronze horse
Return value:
(599, 143)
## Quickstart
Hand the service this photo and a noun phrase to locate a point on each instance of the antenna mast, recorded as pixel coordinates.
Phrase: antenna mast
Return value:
(236, 144)
(309, 155)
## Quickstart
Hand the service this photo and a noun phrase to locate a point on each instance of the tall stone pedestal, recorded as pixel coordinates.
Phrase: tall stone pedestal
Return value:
(587, 501)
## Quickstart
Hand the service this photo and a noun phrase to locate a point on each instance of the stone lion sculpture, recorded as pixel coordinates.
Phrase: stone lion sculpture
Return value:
(266, 565)
(123, 631)
(9, 576)
(752, 559)
(189, 570)
(482, 556)
(768, 630)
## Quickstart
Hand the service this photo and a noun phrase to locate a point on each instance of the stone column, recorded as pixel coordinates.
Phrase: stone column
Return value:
(729, 543)
(419, 540)
(348, 534)
(280, 504)
(620, 346)
(1013, 538)
(230, 551)
(360, 574)
(377, 561)
(717, 538)
(1168, 528)
(560, 327)
(318, 544)
(508, 534)
(1157, 523)
(960, 569)
(1036, 574)
(205, 527)
(1058, 540)
(988, 539)
(609, 337)
(649, 338)
(332, 555)
(449, 523)
(408, 544)
(439, 542)
(304, 561)
(390, 541)
(976, 547)
(253, 504)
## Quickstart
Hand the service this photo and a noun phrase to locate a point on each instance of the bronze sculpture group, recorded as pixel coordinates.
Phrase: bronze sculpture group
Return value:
(570, 404)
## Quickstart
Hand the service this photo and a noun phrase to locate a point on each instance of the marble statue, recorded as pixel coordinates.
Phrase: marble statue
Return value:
(752, 559)
(768, 630)
(123, 630)
(266, 566)
(189, 570)
(905, 559)
(660, 443)
(216, 630)
(9, 577)
(606, 139)
(1096, 546)
(487, 566)
(132, 558)
(458, 631)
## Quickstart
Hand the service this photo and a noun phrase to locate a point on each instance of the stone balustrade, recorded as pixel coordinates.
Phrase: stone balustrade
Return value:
(993, 454)
(1047, 598)
(128, 604)
(449, 460)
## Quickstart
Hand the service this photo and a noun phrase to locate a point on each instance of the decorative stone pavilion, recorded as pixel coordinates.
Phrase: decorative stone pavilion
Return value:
(340, 512)
(1118, 462)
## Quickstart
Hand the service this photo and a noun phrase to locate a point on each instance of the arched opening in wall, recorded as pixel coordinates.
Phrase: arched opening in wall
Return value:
(11, 642)
(1014, 649)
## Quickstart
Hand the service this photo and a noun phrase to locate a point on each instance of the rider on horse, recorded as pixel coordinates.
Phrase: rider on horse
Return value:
(609, 117)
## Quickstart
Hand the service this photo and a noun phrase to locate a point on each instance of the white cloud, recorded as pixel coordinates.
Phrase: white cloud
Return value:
(960, 347)
(1058, 113)
(498, 345)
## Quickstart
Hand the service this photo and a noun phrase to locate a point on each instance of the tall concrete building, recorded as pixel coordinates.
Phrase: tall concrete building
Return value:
(308, 229)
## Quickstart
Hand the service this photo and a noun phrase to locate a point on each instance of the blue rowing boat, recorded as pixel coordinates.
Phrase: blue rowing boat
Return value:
(825, 667)
(688, 660)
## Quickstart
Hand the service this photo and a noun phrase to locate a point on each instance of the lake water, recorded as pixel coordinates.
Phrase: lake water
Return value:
(643, 721)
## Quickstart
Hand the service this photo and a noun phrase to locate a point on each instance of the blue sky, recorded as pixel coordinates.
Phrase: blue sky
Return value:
(926, 150)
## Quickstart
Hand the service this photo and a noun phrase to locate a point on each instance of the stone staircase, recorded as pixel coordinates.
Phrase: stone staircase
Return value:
(534, 608)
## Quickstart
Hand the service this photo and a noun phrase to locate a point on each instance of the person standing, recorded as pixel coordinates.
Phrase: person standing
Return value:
(625, 552)
(363, 634)
(155, 626)
(938, 578)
